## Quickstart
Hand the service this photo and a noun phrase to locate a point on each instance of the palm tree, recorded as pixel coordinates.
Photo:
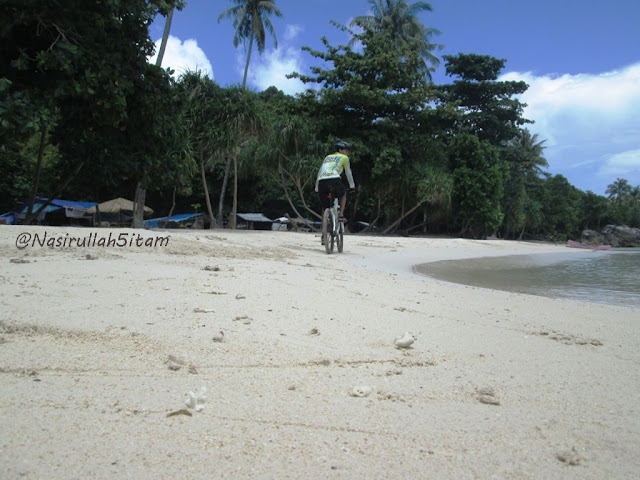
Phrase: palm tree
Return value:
(165, 36)
(634, 196)
(400, 19)
(141, 192)
(619, 189)
(532, 151)
(250, 17)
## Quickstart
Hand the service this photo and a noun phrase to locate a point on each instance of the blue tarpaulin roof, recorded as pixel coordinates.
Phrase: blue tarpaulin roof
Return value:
(56, 204)
(153, 222)
(7, 218)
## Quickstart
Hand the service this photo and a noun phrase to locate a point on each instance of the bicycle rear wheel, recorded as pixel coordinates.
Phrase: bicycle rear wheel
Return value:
(327, 230)
(340, 237)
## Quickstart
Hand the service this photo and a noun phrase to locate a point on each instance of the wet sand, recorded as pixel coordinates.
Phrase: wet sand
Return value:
(608, 278)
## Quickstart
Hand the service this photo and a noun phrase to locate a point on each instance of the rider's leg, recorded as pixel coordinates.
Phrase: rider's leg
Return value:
(322, 196)
(343, 203)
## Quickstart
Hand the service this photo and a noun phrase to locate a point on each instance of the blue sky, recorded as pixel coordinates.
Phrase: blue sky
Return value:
(581, 59)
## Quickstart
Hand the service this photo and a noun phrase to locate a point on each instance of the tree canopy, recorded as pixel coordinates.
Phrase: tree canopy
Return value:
(82, 112)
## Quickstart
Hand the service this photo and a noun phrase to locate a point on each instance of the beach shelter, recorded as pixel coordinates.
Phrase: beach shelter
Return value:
(254, 221)
(118, 205)
(57, 212)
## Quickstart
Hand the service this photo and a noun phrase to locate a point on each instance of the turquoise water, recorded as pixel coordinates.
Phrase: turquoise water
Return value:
(608, 277)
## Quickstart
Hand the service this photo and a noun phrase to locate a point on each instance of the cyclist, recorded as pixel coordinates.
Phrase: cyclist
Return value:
(329, 176)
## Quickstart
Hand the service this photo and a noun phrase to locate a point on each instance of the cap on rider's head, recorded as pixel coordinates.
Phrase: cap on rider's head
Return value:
(343, 145)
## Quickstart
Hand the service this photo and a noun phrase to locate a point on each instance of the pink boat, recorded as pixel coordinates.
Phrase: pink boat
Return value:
(573, 244)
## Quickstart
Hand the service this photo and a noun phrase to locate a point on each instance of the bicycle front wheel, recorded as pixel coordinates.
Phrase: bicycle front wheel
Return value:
(327, 230)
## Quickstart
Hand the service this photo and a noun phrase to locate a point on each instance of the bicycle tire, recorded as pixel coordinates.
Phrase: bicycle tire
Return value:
(340, 239)
(327, 229)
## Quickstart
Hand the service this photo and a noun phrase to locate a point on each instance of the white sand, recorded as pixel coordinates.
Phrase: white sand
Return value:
(94, 353)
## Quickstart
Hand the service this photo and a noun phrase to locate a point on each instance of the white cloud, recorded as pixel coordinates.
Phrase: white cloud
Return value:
(273, 67)
(622, 164)
(292, 31)
(182, 57)
(591, 123)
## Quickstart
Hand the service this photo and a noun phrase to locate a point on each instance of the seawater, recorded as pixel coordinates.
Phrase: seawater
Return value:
(608, 277)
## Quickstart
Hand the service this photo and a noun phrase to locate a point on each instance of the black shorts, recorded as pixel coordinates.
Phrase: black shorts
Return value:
(323, 190)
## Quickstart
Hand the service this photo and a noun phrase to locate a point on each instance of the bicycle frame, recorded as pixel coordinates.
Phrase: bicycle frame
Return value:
(332, 229)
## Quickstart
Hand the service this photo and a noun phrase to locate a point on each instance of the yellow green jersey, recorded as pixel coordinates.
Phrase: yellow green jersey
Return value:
(333, 166)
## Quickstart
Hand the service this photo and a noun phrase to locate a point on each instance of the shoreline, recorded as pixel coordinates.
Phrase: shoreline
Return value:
(99, 345)
(582, 278)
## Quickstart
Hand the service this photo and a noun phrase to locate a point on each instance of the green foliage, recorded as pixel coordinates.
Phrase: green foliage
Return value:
(250, 17)
(489, 110)
(84, 65)
(524, 157)
(378, 100)
(478, 185)
(562, 210)
(77, 51)
(619, 189)
(382, 82)
(399, 19)
(453, 157)
(514, 204)
(15, 176)
(594, 211)
(390, 158)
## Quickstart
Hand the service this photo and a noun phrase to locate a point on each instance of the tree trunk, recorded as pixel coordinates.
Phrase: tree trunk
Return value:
(373, 222)
(165, 36)
(141, 192)
(300, 188)
(36, 180)
(355, 206)
(234, 208)
(225, 179)
(138, 207)
(286, 192)
(397, 222)
(33, 216)
(173, 205)
(212, 220)
(246, 67)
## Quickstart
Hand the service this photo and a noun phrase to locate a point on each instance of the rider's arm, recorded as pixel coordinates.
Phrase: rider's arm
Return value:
(349, 175)
(318, 178)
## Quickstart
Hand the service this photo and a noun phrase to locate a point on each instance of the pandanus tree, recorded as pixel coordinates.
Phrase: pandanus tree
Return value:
(220, 121)
(241, 120)
(202, 117)
(297, 153)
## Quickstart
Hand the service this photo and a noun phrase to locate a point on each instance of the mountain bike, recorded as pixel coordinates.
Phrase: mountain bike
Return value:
(332, 228)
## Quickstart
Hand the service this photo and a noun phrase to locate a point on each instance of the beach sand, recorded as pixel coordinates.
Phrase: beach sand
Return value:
(100, 345)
